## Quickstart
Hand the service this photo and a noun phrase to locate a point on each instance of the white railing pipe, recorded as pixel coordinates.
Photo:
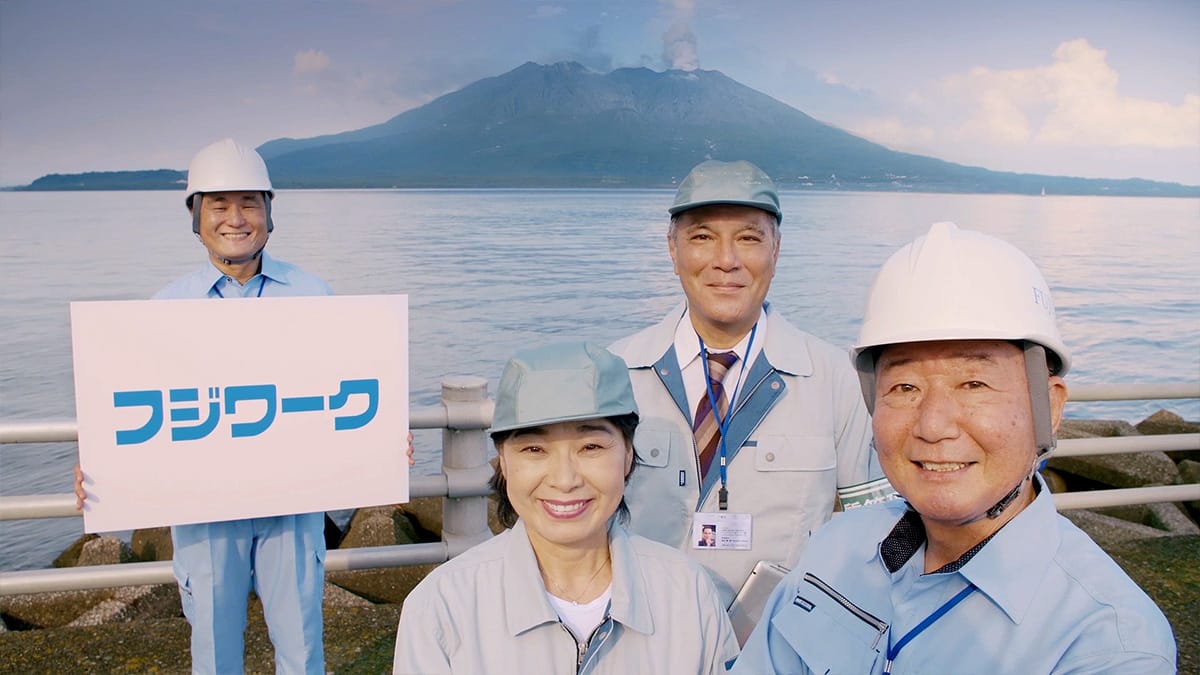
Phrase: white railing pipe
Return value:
(141, 574)
(1095, 499)
(1132, 392)
(1112, 445)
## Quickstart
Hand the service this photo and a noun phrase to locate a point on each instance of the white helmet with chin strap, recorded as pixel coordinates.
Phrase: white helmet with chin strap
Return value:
(227, 166)
(953, 284)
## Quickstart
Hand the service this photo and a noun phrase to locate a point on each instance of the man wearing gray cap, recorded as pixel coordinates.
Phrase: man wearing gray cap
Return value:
(797, 439)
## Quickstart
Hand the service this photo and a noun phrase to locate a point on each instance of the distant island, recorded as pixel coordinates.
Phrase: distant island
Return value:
(563, 125)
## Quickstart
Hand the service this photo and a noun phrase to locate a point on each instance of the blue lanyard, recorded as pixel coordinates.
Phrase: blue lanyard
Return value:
(262, 282)
(723, 421)
(893, 652)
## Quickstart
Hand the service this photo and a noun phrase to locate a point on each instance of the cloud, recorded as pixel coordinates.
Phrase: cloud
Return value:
(895, 133)
(1073, 101)
(1065, 117)
(309, 62)
(546, 11)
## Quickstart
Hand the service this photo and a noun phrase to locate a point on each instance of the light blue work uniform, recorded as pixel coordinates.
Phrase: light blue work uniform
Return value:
(799, 433)
(1046, 599)
(486, 611)
(281, 557)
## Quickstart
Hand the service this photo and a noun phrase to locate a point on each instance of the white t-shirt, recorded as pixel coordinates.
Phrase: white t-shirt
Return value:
(583, 619)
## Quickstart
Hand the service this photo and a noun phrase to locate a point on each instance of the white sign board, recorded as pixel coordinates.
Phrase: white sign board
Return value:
(196, 411)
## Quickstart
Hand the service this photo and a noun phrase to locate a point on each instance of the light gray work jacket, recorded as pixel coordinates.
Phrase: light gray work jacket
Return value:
(486, 611)
(799, 434)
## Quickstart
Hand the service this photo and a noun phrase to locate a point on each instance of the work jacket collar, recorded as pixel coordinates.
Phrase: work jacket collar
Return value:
(783, 348)
(270, 268)
(529, 607)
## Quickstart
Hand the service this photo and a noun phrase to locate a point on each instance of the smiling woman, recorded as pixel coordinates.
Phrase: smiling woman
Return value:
(566, 589)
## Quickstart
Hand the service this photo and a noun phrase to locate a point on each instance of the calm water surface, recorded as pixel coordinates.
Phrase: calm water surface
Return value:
(491, 271)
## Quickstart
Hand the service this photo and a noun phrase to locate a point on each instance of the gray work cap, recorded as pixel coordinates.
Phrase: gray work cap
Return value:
(740, 182)
(562, 383)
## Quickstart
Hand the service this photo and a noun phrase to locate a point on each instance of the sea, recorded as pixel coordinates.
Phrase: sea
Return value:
(488, 272)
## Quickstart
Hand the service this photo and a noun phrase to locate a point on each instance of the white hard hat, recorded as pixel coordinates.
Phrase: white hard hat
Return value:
(953, 284)
(227, 166)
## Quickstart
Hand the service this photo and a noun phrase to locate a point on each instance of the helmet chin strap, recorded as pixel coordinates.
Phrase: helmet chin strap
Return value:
(243, 261)
(1038, 375)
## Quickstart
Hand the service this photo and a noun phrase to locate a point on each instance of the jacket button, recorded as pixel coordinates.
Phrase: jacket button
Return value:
(664, 371)
(775, 385)
(770, 457)
(654, 452)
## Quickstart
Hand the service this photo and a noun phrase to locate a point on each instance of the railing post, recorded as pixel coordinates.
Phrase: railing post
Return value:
(464, 461)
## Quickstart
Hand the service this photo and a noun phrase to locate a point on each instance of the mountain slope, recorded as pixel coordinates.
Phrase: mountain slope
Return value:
(564, 125)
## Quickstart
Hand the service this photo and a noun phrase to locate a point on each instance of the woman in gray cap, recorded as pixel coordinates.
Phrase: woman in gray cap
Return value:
(566, 589)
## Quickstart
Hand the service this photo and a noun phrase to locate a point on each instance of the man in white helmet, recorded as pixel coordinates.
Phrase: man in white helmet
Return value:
(795, 443)
(961, 361)
(282, 557)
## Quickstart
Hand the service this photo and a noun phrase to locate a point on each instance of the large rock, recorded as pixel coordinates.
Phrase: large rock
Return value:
(1054, 480)
(1167, 422)
(70, 556)
(426, 512)
(336, 596)
(382, 585)
(1108, 531)
(1123, 470)
(380, 526)
(1173, 518)
(49, 610)
(46, 610)
(152, 544)
(1189, 472)
(1093, 428)
(1165, 516)
(105, 550)
(134, 603)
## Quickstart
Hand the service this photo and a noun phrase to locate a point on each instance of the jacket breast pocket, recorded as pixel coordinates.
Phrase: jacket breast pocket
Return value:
(830, 634)
(653, 445)
(795, 453)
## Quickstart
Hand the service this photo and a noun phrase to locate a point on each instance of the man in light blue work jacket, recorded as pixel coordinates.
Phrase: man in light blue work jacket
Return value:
(974, 572)
(796, 441)
(282, 557)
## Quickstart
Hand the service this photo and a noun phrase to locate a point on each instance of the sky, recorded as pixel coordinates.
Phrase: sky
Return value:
(1096, 88)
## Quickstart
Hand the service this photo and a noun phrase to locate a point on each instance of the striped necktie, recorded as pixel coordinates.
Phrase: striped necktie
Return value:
(704, 427)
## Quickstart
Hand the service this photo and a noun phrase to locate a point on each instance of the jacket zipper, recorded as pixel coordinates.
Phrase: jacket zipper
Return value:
(607, 633)
(865, 616)
(582, 647)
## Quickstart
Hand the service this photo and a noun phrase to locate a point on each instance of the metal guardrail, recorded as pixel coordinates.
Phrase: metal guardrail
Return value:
(463, 416)
(1133, 392)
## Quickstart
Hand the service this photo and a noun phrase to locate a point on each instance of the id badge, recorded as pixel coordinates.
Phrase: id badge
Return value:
(722, 531)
